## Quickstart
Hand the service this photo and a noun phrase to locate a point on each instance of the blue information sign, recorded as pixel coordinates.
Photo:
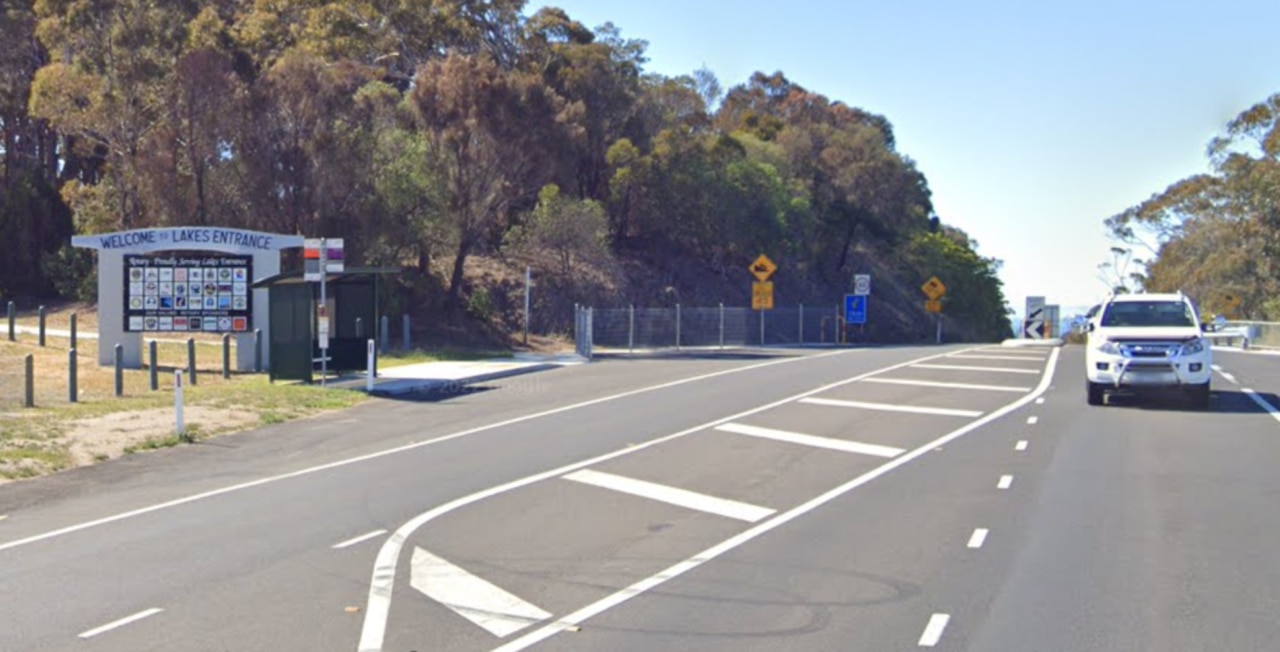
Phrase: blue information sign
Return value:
(855, 309)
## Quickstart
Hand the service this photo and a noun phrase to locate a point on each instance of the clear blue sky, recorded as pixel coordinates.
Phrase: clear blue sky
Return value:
(1033, 121)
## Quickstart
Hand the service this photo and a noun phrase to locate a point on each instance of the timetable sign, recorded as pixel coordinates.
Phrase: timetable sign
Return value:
(191, 293)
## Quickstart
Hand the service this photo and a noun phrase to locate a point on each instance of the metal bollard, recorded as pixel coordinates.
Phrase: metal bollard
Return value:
(40, 312)
(29, 363)
(802, 324)
(404, 328)
(257, 350)
(73, 330)
(226, 356)
(191, 360)
(13, 316)
(155, 372)
(722, 325)
(119, 361)
(72, 391)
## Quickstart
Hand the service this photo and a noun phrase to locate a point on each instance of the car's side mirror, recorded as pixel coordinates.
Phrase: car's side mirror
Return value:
(1089, 327)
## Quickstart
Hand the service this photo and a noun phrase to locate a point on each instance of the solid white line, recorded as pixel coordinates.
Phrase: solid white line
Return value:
(1021, 445)
(1017, 358)
(1262, 403)
(584, 614)
(471, 597)
(933, 631)
(811, 440)
(382, 584)
(359, 539)
(978, 538)
(672, 495)
(1031, 421)
(885, 407)
(951, 367)
(934, 383)
(1216, 367)
(1230, 378)
(120, 623)
(392, 451)
(1006, 481)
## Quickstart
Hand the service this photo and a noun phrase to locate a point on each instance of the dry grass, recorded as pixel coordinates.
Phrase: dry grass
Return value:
(59, 434)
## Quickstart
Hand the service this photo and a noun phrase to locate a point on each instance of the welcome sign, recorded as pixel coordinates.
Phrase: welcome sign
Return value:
(188, 293)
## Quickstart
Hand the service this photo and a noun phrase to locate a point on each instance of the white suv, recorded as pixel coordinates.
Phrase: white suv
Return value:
(1148, 341)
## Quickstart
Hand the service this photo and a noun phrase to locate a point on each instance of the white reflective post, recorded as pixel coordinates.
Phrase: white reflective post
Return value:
(368, 383)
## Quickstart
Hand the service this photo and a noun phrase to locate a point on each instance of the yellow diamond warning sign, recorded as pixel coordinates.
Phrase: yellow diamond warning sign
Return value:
(763, 268)
(934, 289)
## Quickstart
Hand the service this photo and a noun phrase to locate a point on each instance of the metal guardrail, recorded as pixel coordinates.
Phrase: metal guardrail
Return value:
(1229, 337)
(1260, 334)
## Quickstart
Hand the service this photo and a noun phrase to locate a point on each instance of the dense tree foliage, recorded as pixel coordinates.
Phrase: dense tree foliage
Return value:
(432, 132)
(1215, 235)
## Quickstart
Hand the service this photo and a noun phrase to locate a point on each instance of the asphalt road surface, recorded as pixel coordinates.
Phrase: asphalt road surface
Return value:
(951, 498)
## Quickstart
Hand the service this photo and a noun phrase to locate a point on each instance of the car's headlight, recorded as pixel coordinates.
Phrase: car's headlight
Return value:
(1193, 347)
(1108, 347)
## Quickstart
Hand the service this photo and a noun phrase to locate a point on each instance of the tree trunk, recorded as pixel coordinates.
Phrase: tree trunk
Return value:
(455, 279)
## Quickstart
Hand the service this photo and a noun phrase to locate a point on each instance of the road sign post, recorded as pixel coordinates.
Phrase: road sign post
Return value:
(935, 290)
(762, 289)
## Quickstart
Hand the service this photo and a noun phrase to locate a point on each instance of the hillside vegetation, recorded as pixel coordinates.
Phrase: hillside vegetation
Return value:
(1216, 235)
(461, 140)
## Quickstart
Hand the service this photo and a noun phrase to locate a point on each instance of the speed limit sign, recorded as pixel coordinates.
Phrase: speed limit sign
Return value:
(862, 284)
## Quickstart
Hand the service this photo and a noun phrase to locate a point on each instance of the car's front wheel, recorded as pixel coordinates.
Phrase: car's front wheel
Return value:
(1197, 396)
(1093, 392)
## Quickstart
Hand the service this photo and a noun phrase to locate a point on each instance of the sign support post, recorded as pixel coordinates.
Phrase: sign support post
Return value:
(935, 290)
(324, 313)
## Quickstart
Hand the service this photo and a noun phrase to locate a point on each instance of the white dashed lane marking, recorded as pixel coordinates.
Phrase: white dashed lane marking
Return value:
(978, 538)
(1031, 421)
(1005, 482)
(933, 631)
(671, 495)
(913, 409)
(120, 623)
(811, 440)
(360, 539)
(1020, 446)
(1262, 403)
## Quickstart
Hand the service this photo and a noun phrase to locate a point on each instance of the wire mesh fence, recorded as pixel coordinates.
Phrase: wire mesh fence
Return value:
(630, 329)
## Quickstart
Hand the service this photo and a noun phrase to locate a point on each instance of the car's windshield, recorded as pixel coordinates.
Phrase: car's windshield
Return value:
(1148, 313)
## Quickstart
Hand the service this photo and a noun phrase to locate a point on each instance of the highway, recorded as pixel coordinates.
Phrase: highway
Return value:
(878, 499)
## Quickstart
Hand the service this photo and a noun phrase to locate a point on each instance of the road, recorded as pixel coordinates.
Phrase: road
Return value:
(949, 498)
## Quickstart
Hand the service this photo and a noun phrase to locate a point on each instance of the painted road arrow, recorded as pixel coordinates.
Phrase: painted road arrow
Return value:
(473, 598)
